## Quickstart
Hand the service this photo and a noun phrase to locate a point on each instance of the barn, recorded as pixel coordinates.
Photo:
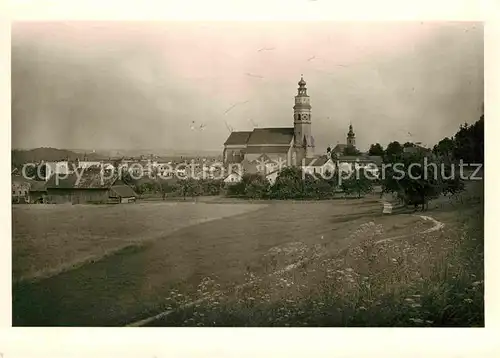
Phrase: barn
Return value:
(90, 186)
(122, 194)
(38, 192)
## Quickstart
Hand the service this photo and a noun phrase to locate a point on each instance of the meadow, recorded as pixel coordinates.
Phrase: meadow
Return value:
(331, 263)
(49, 239)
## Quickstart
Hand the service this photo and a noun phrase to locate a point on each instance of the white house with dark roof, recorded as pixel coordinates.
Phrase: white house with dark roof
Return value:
(321, 165)
(233, 178)
(272, 176)
(370, 163)
(285, 144)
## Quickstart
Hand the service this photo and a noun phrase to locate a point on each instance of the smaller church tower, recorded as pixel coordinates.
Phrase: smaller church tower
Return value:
(351, 137)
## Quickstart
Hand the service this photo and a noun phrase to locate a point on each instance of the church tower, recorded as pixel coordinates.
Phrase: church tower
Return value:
(351, 137)
(303, 141)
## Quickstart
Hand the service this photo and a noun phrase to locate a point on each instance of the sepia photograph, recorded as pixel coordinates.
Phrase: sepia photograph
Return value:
(247, 174)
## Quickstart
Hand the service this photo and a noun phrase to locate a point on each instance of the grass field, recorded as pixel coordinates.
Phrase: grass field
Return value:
(165, 257)
(48, 239)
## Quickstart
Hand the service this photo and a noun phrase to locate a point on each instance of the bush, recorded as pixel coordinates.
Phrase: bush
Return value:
(288, 185)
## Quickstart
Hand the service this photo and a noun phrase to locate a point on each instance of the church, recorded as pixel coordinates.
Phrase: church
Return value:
(291, 145)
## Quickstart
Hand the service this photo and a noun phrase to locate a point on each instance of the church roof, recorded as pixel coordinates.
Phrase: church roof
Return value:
(263, 157)
(263, 136)
(361, 159)
(238, 138)
(339, 148)
(266, 149)
(317, 161)
(234, 160)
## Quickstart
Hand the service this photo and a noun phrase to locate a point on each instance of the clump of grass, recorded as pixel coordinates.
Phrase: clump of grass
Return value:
(433, 279)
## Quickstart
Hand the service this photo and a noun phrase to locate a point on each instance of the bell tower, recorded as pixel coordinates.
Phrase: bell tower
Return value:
(303, 141)
(351, 137)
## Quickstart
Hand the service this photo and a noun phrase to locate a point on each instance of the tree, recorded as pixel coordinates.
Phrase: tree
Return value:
(393, 151)
(189, 187)
(376, 149)
(358, 183)
(469, 142)
(288, 184)
(236, 189)
(211, 186)
(317, 188)
(256, 186)
(351, 150)
(417, 178)
(444, 148)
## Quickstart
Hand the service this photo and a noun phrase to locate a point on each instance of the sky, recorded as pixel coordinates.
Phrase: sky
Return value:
(183, 85)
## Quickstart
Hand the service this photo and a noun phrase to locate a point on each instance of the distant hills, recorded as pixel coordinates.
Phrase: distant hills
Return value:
(21, 156)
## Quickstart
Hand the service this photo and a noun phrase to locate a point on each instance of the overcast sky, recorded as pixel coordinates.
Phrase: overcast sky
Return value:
(141, 85)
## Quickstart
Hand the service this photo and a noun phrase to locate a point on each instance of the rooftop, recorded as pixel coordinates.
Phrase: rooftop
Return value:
(238, 138)
(86, 179)
(276, 136)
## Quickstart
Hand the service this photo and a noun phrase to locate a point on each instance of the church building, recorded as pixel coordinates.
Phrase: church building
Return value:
(288, 145)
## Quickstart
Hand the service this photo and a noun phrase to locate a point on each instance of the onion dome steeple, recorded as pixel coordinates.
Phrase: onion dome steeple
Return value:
(302, 90)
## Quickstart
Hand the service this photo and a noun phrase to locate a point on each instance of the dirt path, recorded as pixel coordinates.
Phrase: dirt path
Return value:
(143, 322)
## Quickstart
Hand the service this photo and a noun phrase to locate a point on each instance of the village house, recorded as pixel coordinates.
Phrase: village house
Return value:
(368, 163)
(20, 190)
(322, 165)
(165, 170)
(416, 148)
(232, 178)
(25, 191)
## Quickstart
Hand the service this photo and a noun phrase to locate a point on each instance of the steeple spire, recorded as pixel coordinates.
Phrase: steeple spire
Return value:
(351, 137)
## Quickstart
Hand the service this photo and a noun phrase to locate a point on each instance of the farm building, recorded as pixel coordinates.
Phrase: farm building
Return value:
(38, 192)
(25, 191)
(20, 190)
(88, 186)
(122, 194)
